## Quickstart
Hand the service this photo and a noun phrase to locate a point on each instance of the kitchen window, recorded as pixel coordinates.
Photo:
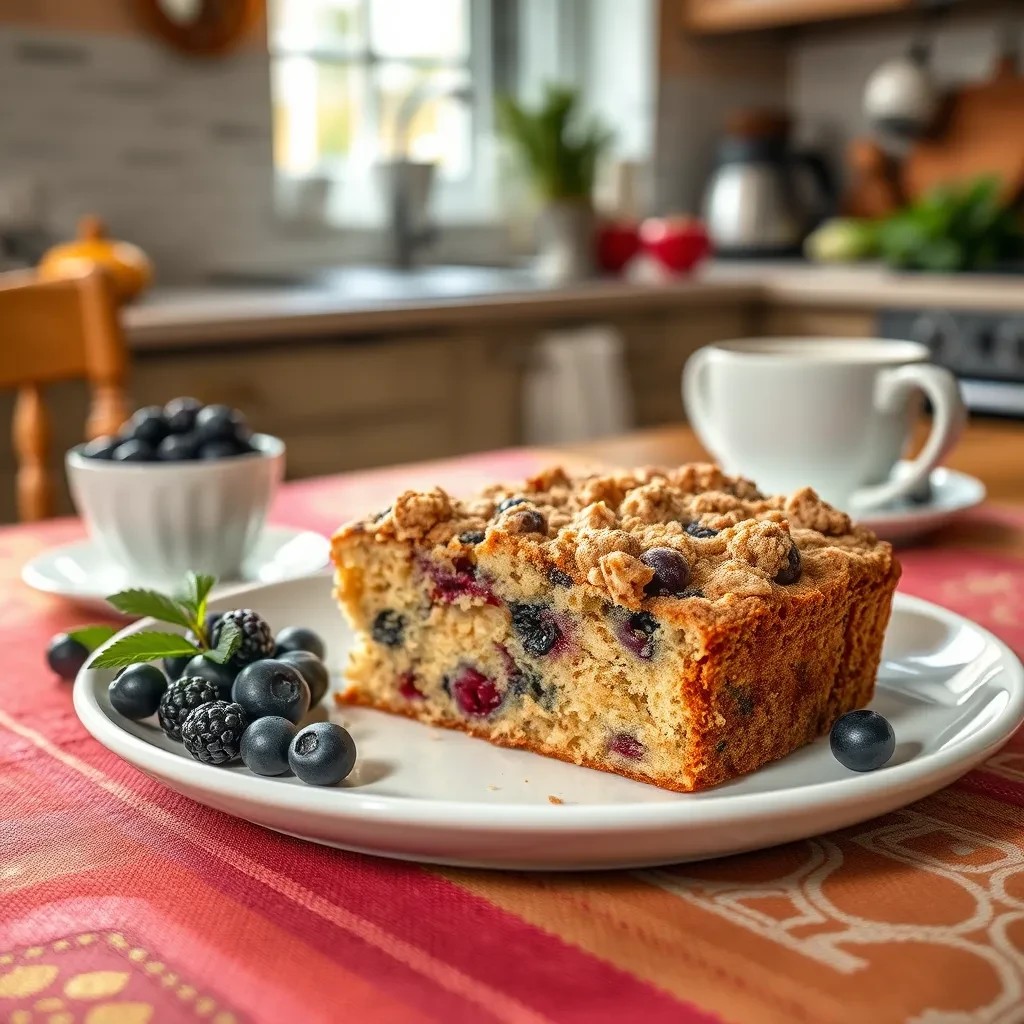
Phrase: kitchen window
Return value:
(341, 71)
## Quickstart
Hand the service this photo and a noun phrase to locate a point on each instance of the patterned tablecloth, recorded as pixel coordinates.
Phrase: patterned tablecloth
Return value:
(123, 902)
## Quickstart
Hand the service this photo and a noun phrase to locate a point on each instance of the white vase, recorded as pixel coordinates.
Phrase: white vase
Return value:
(565, 241)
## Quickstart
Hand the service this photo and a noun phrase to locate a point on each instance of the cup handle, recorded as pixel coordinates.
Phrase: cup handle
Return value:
(949, 418)
(695, 398)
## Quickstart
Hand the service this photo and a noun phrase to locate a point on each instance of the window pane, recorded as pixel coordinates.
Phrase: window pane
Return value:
(431, 29)
(317, 24)
(318, 109)
(441, 127)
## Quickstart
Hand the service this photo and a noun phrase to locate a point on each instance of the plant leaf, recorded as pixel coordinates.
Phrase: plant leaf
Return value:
(197, 588)
(91, 637)
(150, 602)
(145, 646)
(229, 639)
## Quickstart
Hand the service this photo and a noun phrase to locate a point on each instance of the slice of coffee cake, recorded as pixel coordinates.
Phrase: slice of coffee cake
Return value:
(674, 626)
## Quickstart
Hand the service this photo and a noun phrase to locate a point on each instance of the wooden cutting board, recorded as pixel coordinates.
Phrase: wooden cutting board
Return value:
(982, 134)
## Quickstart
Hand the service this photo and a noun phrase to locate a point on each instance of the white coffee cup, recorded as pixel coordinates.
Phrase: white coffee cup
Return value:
(829, 413)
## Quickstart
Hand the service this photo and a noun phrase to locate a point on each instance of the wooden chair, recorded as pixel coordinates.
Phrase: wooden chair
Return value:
(56, 330)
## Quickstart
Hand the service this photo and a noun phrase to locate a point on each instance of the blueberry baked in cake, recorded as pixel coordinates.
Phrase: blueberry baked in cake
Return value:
(671, 625)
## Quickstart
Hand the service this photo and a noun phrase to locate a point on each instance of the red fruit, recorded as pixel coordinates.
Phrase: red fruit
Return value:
(450, 585)
(407, 687)
(475, 694)
(626, 745)
(618, 241)
(678, 243)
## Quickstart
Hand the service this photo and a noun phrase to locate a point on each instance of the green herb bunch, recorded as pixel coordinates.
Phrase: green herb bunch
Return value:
(187, 610)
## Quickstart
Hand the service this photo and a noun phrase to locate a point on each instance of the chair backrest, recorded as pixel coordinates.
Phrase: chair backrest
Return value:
(55, 330)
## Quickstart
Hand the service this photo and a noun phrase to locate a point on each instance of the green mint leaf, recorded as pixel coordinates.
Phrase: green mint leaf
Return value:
(152, 603)
(91, 637)
(146, 646)
(228, 641)
(200, 585)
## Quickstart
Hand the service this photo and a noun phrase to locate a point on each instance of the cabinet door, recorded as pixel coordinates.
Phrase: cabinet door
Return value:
(741, 15)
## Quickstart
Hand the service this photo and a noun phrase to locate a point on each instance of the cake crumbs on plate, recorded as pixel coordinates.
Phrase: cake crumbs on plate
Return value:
(494, 789)
(555, 799)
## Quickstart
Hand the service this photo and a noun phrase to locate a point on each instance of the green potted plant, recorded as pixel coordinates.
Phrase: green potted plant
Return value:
(558, 152)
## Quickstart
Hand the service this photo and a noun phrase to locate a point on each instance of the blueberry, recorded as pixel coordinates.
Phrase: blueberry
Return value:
(177, 448)
(175, 666)
(693, 592)
(472, 537)
(535, 626)
(526, 520)
(388, 628)
(313, 670)
(510, 503)
(271, 687)
(221, 423)
(671, 572)
(226, 448)
(220, 675)
(791, 571)
(134, 450)
(299, 638)
(137, 691)
(557, 578)
(100, 447)
(637, 634)
(180, 414)
(265, 745)
(322, 754)
(148, 424)
(862, 741)
(66, 656)
(694, 529)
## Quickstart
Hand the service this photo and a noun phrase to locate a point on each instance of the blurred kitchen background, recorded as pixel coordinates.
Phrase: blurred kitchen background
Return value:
(392, 230)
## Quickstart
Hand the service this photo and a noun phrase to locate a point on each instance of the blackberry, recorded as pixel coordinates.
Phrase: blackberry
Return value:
(389, 628)
(181, 698)
(213, 732)
(535, 626)
(257, 639)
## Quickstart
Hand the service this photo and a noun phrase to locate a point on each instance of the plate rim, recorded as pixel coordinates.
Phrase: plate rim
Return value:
(912, 514)
(689, 810)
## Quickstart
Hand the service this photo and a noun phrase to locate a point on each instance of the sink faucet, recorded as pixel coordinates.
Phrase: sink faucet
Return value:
(408, 182)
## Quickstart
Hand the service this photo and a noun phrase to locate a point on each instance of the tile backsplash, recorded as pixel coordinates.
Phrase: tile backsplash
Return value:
(174, 153)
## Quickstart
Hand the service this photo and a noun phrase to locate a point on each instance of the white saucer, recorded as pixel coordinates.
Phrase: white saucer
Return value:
(81, 573)
(952, 691)
(952, 492)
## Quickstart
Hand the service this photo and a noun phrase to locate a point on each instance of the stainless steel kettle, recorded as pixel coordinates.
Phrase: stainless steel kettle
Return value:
(763, 198)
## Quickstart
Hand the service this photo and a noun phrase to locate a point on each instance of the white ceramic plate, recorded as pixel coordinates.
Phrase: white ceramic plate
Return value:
(81, 573)
(952, 692)
(952, 493)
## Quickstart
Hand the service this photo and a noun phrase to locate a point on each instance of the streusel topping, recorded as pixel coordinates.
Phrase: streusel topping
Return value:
(595, 528)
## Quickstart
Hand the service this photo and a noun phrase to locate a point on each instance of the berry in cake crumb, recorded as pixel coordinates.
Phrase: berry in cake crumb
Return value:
(626, 745)
(692, 592)
(793, 568)
(407, 687)
(388, 628)
(509, 503)
(220, 675)
(299, 638)
(536, 627)
(257, 639)
(265, 743)
(472, 537)
(322, 754)
(213, 732)
(637, 634)
(475, 694)
(313, 670)
(137, 691)
(180, 700)
(463, 581)
(862, 741)
(66, 656)
(381, 514)
(557, 578)
(271, 687)
(694, 529)
(671, 572)
(526, 520)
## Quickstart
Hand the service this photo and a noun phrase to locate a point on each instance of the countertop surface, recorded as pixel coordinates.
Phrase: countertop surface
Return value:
(364, 299)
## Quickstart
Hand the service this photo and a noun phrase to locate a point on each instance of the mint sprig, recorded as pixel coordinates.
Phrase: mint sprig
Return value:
(91, 637)
(187, 610)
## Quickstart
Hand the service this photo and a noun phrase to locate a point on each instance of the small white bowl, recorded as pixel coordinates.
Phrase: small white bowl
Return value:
(161, 519)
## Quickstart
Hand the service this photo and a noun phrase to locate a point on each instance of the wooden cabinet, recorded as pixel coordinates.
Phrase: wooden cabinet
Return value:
(720, 16)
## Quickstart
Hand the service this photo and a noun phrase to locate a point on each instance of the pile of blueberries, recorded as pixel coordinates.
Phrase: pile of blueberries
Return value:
(249, 708)
(182, 429)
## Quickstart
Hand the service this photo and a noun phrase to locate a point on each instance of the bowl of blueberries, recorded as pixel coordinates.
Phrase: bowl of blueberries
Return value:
(180, 487)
